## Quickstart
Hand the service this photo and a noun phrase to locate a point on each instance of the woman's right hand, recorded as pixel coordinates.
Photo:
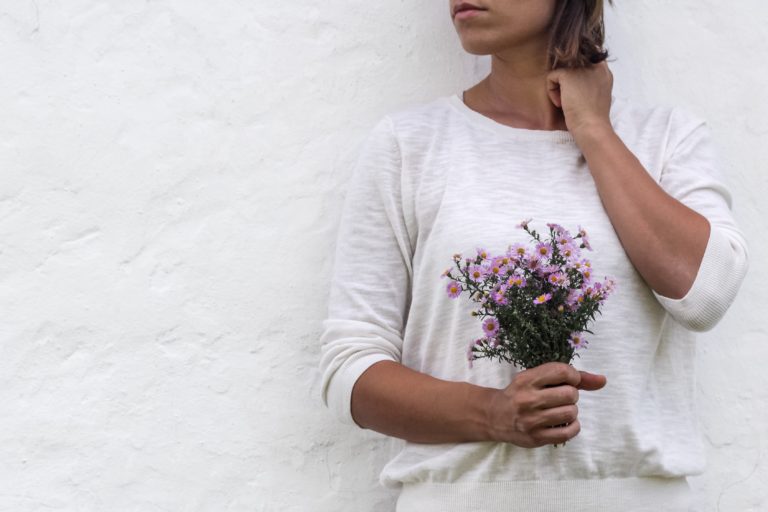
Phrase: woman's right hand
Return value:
(538, 399)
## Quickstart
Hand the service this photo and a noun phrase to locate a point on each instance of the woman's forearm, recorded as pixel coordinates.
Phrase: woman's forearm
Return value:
(397, 401)
(664, 239)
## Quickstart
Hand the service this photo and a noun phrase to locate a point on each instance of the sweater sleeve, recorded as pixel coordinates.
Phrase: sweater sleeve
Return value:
(692, 175)
(370, 285)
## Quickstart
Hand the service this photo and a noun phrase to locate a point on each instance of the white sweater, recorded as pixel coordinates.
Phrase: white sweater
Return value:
(439, 178)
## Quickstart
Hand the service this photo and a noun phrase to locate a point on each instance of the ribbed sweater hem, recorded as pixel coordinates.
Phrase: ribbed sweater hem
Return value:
(637, 494)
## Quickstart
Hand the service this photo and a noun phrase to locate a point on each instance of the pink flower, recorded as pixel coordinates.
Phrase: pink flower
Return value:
(453, 289)
(549, 269)
(523, 224)
(516, 280)
(584, 238)
(490, 326)
(563, 239)
(543, 249)
(558, 278)
(570, 251)
(499, 296)
(470, 353)
(517, 251)
(541, 299)
(577, 341)
(477, 273)
(495, 267)
(504, 261)
(533, 263)
(556, 227)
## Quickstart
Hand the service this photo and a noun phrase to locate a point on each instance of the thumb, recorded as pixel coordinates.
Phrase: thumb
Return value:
(591, 381)
(554, 97)
(553, 89)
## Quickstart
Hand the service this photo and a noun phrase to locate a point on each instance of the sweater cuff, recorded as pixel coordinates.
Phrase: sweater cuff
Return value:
(714, 289)
(340, 386)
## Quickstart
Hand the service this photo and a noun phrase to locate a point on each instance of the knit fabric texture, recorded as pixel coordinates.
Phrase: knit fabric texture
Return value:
(438, 178)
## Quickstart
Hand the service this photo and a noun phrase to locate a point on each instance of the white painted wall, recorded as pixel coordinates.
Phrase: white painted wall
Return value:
(172, 173)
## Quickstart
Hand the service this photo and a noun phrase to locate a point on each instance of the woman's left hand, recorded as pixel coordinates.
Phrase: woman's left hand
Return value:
(584, 94)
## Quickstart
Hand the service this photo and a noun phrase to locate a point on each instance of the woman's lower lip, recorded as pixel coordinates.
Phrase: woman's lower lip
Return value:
(468, 13)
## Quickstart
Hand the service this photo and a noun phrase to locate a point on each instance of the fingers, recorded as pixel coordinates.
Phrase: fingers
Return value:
(556, 416)
(554, 373)
(556, 396)
(552, 435)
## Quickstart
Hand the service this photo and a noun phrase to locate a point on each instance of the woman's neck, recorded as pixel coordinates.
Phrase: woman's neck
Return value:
(515, 93)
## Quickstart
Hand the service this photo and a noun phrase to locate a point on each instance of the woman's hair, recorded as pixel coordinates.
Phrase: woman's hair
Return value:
(577, 35)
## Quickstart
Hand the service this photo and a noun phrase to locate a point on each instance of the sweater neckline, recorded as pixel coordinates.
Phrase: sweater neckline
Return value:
(557, 136)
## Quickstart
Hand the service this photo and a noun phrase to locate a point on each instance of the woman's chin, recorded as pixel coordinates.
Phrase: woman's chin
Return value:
(478, 48)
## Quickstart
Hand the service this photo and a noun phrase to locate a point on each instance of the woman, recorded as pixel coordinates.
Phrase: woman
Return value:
(541, 137)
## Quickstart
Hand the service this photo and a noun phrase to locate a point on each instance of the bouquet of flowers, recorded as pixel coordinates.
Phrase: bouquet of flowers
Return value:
(535, 304)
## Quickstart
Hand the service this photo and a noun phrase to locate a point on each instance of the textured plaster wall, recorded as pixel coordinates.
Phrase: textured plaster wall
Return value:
(171, 175)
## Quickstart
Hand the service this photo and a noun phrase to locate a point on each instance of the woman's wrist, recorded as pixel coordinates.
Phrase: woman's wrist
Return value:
(478, 400)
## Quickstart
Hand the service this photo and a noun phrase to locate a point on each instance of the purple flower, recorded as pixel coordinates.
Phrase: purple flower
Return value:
(549, 269)
(490, 326)
(533, 262)
(570, 251)
(563, 239)
(557, 278)
(495, 267)
(470, 353)
(499, 296)
(556, 227)
(517, 251)
(453, 289)
(584, 238)
(541, 299)
(523, 224)
(482, 253)
(477, 273)
(543, 249)
(577, 341)
(504, 260)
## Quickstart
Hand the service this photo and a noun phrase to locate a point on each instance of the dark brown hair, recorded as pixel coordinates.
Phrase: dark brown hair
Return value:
(577, 34)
